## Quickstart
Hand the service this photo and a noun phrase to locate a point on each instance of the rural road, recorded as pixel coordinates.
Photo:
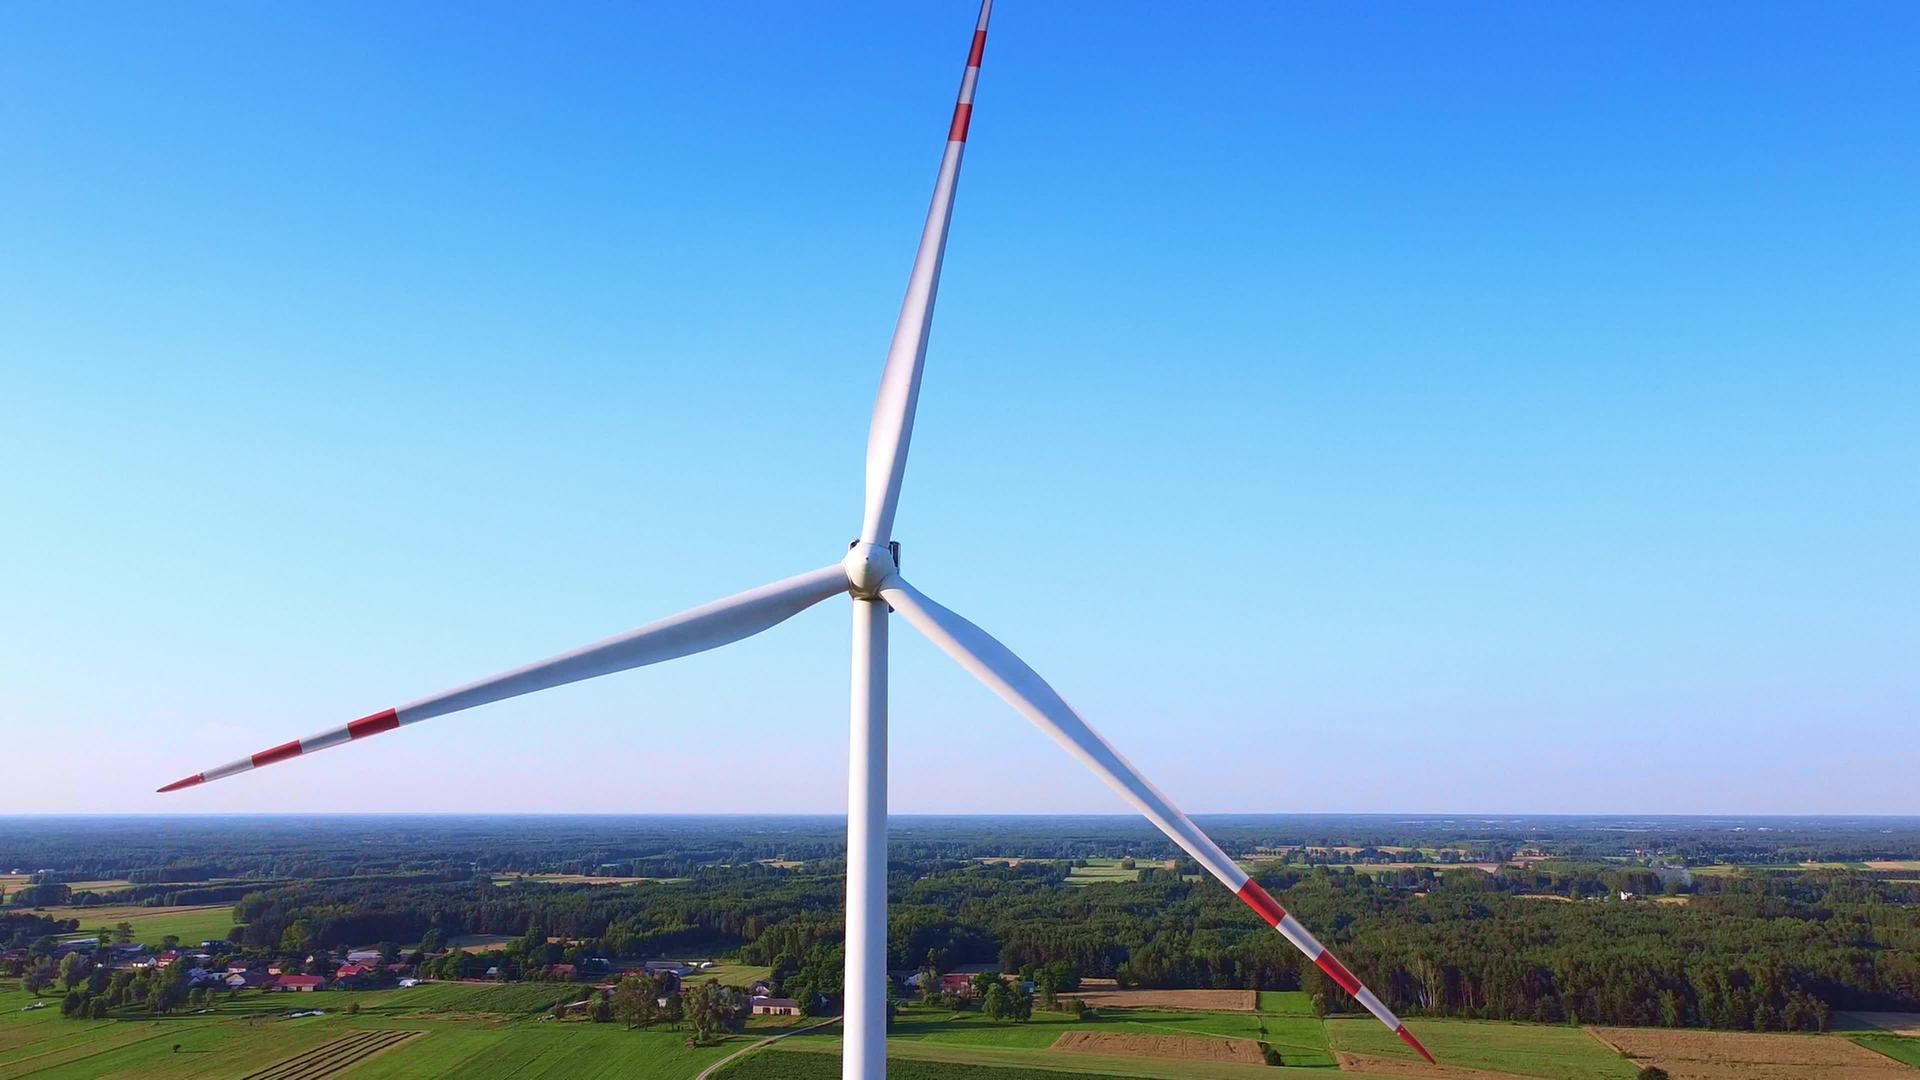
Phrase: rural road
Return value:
(707, 1073)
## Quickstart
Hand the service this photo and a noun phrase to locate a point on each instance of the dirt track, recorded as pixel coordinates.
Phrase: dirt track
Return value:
(1739, 1055)
(1176, 1047)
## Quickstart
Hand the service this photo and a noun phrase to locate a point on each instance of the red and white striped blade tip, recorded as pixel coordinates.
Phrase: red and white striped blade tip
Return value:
(1407, 1037)
(384, 720)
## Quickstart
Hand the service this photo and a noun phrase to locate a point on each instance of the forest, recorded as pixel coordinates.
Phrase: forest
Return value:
(1592, 927)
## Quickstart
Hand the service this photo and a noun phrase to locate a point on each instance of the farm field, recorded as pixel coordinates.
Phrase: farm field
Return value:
(484, 1030)
(547, 1051)
(1907, 1050)
(572, 879)
(453, 1030)
(778, 1065)
(1889, 1022)
(930, 1034)
(1203, 1000)
(1099, 870)
(1740, 1055)
(1550, 1052)
(931, 1061)
(1285, 1002)
(192, 924)
(1170, 1047)
(731, 974)
(473, 942)
(114, 885)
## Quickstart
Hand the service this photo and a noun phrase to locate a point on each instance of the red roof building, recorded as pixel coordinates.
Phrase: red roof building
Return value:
(299, 982)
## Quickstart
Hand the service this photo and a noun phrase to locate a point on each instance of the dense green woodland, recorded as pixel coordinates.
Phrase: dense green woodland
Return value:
(1550, 942)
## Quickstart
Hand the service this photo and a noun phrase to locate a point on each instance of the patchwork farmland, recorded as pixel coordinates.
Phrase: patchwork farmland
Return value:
(487, 1031)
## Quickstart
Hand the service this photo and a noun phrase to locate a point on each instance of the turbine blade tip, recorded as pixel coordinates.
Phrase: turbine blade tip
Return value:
(1407, 1037)
(184, 782)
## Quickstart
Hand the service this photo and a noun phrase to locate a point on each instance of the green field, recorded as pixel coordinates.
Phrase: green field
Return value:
(151, 924)
(940, 1036)
(478, 1032)
(1098, 870)
(549, 1051)
(504, 999)
(1285, 1003)
(732, 974)
(937, 1060)
(775, 1065)
(484, 1031)
(1893, 1046)
(1556, 1053)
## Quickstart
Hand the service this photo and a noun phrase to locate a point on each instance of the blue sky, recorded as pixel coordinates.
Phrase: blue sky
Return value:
(1349, 408)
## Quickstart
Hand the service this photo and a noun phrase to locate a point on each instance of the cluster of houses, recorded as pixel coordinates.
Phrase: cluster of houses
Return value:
(959, 981)
(363, 968)
(213, 966)
(760, 999)
(210, 966)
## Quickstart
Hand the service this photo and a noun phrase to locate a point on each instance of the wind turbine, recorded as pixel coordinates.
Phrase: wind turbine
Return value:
(869, 574)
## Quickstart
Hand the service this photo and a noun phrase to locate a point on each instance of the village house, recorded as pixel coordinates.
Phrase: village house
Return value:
(773, 1006)
(129, 956)
(299, 983)
(245, 979)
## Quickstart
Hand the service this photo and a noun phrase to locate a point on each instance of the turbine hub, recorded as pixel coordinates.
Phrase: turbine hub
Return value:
(870, 565)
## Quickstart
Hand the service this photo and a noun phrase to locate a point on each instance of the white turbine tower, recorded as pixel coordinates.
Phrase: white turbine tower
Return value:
(870, 575)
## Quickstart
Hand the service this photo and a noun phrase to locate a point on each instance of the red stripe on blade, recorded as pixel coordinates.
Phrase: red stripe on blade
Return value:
(373, 725)
(962, 116)
(278, 753)
(979, 47)
(1407, 1037)
(1258, 899)
(1338, 972)
(196, 778)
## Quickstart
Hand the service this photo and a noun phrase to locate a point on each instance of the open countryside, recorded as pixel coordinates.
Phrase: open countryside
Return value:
(500, 947)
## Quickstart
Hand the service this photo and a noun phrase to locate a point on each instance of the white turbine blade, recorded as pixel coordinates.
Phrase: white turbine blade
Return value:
(1010, 677)
(708, 627)
(892, 427)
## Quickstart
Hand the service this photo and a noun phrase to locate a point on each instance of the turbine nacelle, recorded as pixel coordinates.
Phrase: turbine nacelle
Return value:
(869, 566)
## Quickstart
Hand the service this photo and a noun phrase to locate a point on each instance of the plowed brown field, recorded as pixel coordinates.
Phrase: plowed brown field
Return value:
(1738, 1055)
(1177, 1047)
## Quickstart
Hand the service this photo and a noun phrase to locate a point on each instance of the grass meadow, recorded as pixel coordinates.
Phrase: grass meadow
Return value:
(1099, 870)
(778, 1065)
(1902, 1050)
(939, 1039)
(483, 1031)
(1551, 1052)
(194, 924)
